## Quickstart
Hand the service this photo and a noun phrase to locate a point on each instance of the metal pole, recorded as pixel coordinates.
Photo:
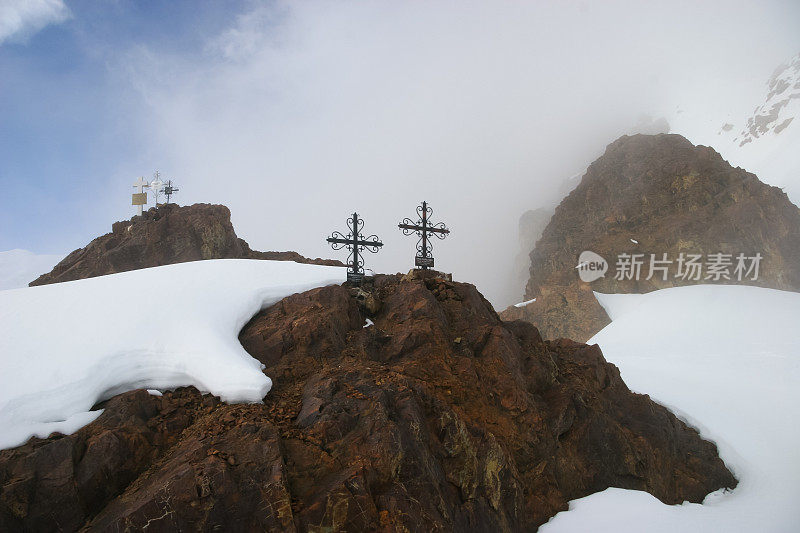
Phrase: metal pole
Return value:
(425, 231)
(355, 243)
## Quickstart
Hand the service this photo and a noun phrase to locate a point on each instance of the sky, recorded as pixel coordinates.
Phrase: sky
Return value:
(296, 114)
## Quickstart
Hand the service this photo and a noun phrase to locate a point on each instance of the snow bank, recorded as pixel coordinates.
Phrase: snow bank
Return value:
(20, 267)
(67, 346)
(727, 360)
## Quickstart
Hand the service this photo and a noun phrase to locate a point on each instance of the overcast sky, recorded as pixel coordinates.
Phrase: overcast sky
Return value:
(295, 114)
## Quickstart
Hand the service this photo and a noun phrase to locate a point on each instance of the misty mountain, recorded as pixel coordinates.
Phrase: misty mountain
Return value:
(658, 200)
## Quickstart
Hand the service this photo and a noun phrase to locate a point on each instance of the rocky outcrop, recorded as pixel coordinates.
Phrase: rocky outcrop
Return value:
(654, 195)
(161, 236)
(436, 416)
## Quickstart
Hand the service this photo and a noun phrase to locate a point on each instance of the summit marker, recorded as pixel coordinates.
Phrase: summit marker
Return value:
(424, 229)
(355, 242)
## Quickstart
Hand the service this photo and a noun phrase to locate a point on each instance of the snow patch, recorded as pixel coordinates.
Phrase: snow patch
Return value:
(726, 359)
(21, 433)
(66, 346)
(526, 302)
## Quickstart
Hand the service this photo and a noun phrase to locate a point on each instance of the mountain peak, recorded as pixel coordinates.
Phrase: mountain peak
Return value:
(646, 196)
(164, 235)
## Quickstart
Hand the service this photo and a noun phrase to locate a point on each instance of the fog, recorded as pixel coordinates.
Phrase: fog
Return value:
(301, 113)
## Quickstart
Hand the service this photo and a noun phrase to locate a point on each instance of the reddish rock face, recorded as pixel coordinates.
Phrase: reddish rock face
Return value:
(438, 417)
(670, 197)
(162, 236)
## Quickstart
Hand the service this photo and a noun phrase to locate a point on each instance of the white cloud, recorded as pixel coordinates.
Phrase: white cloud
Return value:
(302, 112)
(19, 19)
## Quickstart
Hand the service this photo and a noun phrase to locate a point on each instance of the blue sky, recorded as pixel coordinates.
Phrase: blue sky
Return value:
(295, 114)
(63, 113)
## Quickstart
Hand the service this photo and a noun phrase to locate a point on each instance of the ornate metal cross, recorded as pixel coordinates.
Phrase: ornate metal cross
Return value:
(155, 185)
(355, 242)
(423, 228)
(169, 190)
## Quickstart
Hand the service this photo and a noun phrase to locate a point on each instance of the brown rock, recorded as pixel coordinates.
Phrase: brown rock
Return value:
(162, 236)
(56, 483)
(671, 197)
(392, 427)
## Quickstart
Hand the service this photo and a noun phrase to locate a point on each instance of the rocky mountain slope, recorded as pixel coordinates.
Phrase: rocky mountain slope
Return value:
(161, 236)
(647, 196)
(778, 110)
(436, 416)
(761, 135)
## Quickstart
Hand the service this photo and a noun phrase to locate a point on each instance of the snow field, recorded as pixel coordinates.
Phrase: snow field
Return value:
(725, 359)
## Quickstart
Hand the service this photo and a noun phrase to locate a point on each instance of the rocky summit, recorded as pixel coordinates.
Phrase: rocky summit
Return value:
(164, 235)
(656, 196)
(403, 405)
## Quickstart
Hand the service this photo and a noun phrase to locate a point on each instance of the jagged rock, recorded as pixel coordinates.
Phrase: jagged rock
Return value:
(419, 273)
(56, 483)
(161, 236)
(439, 416)
(668, 196)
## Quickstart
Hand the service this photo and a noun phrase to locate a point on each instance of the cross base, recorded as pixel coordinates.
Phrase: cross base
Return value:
(418, 273)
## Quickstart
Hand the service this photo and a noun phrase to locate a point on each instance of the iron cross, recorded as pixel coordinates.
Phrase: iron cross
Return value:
(355, 242)
(169, 190)
(423, 228)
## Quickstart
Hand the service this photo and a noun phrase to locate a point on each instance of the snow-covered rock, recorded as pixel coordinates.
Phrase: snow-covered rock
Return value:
(766, 140)
(727, 360)
(20, 267)
(64, 347)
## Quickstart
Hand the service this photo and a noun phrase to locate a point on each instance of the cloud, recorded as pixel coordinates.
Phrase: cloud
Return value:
(302, 112)
(19, 19)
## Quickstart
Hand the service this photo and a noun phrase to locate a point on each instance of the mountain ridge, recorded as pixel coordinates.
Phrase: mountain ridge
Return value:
(164, 235)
